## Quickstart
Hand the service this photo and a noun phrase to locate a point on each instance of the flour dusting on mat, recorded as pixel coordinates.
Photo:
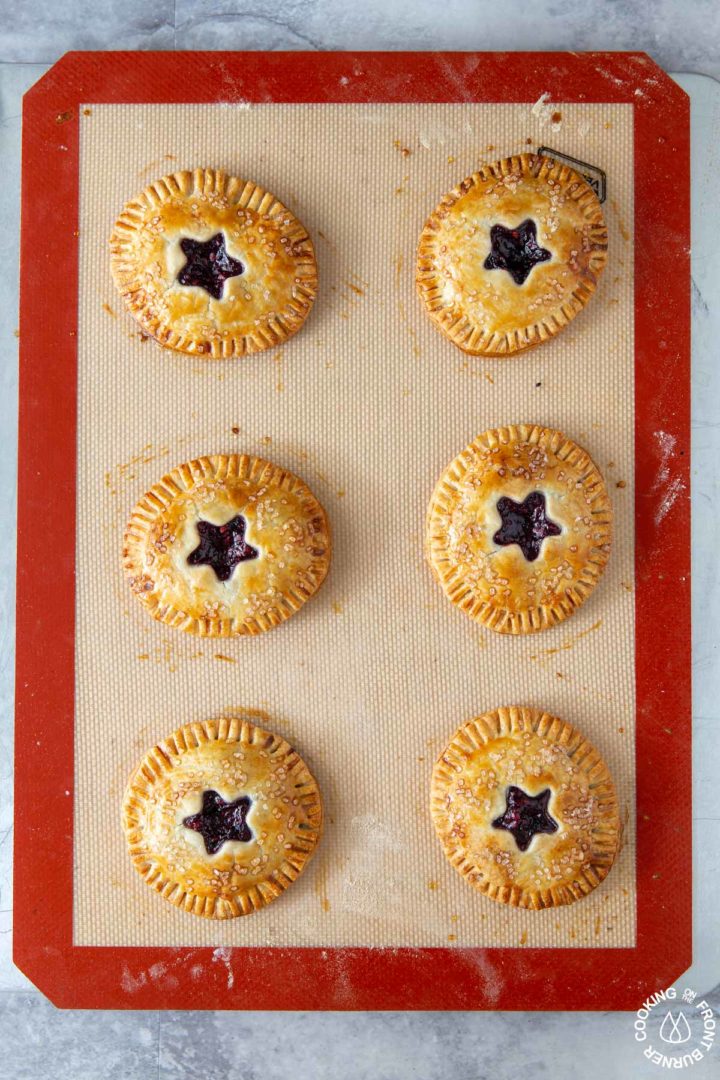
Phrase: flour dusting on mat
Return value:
(130, 983)
(675, 489)
(222, 955)
(672, 489)
(542, 108)
(375, 834)
(491, 978)
(666, 443)
(367, 887)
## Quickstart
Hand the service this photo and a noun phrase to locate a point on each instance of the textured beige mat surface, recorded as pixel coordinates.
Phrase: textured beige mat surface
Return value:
(368, 403)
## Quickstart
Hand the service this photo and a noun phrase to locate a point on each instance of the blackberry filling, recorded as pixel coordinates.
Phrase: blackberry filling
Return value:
(220, 821)
(525, 815)
(222, 547)
(525, 524)
(208, 265)
(515, 250)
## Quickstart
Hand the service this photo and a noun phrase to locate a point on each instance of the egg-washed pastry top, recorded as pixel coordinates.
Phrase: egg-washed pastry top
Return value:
(519, 528)
(525, 808)
(221, 817)
(511, 255)
(226, 545)
(212, 264)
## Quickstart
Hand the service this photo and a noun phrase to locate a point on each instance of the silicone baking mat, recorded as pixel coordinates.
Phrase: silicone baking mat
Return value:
(368, 403)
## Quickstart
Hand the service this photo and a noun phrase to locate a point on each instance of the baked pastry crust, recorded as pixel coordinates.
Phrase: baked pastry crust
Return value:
(498, 585)
(529, 749)
(259, 308)
(485, 311)
(235, 759)
(284, 524)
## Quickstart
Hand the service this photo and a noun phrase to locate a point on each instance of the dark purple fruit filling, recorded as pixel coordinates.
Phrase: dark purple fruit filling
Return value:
(525, 524)
(222, 547)
(515, 250)
(208, 265)
(525, 815)
(220, 821)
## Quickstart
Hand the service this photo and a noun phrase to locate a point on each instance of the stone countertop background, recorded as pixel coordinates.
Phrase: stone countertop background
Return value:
(680, 36)
(39, 1041)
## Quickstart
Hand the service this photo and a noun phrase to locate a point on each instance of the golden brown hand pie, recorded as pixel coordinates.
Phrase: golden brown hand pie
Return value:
(226, 545)
(525, 808)
(221, 817)
(519, 528)
(211, 264)
(511, 255)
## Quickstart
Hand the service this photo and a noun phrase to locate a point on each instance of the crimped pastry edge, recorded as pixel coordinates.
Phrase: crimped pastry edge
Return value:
(607, 837)
(207, 182)
(158, 761)
(460, 330)
(181, 479)
(493, 616)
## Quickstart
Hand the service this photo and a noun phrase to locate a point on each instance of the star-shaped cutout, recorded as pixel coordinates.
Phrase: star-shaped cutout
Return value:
(525, 524)
(222, 547)
(208, 264)
(525, 815)
(515, 250)
(220, 821)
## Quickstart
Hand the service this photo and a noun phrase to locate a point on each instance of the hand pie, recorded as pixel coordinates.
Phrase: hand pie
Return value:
(211, 264)
(226, 545)
(221, 817)
(525, 808)
(511, 255)
(519, 528)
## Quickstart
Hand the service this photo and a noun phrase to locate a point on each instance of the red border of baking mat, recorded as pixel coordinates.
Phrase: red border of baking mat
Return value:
(358, 978)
